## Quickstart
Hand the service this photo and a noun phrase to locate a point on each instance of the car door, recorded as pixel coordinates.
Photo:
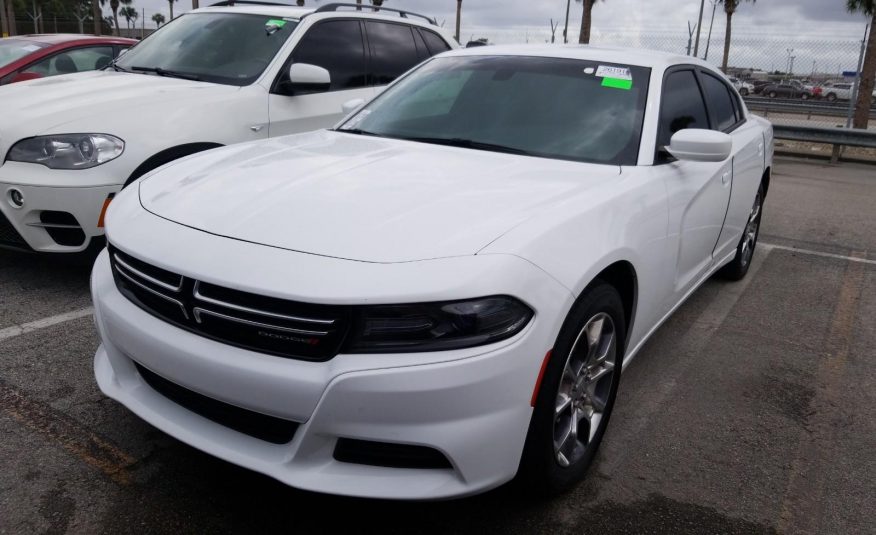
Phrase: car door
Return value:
(747, 158)
(337, 45)
(698, 192)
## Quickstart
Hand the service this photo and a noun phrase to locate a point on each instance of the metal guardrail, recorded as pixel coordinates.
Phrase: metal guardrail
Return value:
(800, 108)
(838, 137)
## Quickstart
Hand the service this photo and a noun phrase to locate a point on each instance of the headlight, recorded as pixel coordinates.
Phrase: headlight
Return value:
(436, 326)
(67, 151)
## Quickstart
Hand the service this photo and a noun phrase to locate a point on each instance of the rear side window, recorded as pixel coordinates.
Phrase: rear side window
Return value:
(682, 107)
(393, 50)
(720, 102)
(337, 47)
(435, 43)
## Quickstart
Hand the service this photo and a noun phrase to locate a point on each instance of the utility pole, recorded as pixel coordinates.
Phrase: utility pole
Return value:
(96, 13)
(709, 41)
(699, 25)
(458, 18)
(566, 29)
(80, 18)
(789, 64)
(554, 31)
(143, 25)
(35, 16)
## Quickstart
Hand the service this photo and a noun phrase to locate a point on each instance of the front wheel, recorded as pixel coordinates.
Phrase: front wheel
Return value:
(738, 267)
(577, 393)
(772, 94)
(831, 97)
(743, 92)
(805, 96)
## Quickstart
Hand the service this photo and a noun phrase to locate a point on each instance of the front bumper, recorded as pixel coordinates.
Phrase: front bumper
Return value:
(70, 192)
(471, 405)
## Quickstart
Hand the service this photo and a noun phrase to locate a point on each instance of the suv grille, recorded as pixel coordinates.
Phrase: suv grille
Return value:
(8, 235)
(264, 324)
(255, 424)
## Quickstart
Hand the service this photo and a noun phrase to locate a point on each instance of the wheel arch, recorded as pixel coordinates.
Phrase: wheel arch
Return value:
(168, 155)
(622, 276)
(765, 180)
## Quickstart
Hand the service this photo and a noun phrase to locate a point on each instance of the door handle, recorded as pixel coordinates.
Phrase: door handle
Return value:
(725, 178)
(760, 149)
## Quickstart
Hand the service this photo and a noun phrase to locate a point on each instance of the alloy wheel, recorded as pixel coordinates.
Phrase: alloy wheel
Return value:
(749, 239)
(585, 389)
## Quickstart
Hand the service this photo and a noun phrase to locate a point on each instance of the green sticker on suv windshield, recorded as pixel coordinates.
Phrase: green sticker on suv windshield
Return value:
(617, 83)
(276, 22)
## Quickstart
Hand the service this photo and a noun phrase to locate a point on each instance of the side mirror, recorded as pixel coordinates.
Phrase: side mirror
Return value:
(25, 76)
(306, 78)
(352, 105)
(698, 145)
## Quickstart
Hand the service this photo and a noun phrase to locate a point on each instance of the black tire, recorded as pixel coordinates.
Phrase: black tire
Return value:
(831, 97)
(805, 96)
(738, 267)
(743, 92)
(772, 94)
(541, 472)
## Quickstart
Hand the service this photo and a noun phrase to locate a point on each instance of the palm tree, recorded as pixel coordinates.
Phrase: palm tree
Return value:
(158, 19)
(300, 3)
(358, 4)
(868, 72)
(97, 15)
(729, 9)
(130, 15)
(377, 3)
(586, 21)
(114, 6)
(458, 17)
(170, 3)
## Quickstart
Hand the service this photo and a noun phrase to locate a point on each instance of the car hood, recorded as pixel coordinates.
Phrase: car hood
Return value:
(363, 198)
(75, 102)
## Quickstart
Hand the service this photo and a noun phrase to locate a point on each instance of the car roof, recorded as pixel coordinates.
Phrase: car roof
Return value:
(270, 10)
(609, 54)
(60, 38)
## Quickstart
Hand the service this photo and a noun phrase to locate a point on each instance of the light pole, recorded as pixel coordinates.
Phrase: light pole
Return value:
(566, 28)
(709, 40)
(789, 63)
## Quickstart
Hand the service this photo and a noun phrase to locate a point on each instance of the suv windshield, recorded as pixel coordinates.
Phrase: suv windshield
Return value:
(548, 107)
(13, 50)
(225, 48)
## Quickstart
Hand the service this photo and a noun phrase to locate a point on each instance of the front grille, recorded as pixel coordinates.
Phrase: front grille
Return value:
(8, 235)
(265, 324)
(255, 424)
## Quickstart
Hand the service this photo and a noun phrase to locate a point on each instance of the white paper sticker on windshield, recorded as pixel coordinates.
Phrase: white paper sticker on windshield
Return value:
(30, 48)
(621, 73)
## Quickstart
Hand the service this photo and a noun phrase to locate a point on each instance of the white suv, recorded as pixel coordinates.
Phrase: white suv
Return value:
(212, 77)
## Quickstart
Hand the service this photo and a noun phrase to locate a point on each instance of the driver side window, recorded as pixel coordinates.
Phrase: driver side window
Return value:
(683, 106)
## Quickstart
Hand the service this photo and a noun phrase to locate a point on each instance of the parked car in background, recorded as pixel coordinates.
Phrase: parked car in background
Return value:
(28, 57)
(441, 292)
(788, 89)
(759, 85)
(838, 91)
(211, 77)
(744, 88)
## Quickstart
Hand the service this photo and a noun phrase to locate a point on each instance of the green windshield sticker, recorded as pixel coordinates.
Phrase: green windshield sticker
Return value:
(617, 83)
(276, 22)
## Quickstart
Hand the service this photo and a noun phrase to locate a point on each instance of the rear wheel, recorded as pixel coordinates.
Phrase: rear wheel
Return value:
(805, 96)
(577, 393)
(831, 97)
(772, 94)
(743, 92)
(738, 267)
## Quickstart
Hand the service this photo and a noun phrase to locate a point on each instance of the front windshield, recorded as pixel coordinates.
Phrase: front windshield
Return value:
(14, 49)
(548, 107)
(225, 48)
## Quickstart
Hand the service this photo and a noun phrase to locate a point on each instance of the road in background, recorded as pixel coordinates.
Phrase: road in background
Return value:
(752, 410)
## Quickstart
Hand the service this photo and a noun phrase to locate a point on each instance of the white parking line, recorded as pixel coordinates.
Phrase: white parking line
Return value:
(24, 328)
(770, 246)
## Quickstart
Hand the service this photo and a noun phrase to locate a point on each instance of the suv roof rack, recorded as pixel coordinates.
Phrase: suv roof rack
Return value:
(403, 14)
(249, 3)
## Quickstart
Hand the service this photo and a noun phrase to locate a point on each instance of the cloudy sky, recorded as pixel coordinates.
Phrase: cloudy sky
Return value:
(812, 17)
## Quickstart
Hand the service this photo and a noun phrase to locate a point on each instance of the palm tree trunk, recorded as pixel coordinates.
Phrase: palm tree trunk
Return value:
(458, 18)
(95, 10)
(195, 4)
(171, 9)
(4, 23)
(116, 21)
(586, 23)
(358, 5)
(727, 33)
(868, 78)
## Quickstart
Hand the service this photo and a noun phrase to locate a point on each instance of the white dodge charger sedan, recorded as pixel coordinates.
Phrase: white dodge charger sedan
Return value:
(440, 293)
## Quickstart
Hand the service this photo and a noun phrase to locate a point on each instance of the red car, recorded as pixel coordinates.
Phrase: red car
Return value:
(37, 56)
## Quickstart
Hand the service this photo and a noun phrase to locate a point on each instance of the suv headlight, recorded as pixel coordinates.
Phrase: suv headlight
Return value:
(67, 151)
(436, 326)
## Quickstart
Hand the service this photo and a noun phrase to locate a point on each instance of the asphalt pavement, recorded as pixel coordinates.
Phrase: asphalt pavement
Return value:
(752, 410)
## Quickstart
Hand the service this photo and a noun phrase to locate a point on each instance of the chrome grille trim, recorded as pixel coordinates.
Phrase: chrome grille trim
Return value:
(197, 311)
(240, 308)
(153, 292)
(153, 280)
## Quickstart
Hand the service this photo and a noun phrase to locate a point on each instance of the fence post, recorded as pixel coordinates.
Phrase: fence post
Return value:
(835, 155)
